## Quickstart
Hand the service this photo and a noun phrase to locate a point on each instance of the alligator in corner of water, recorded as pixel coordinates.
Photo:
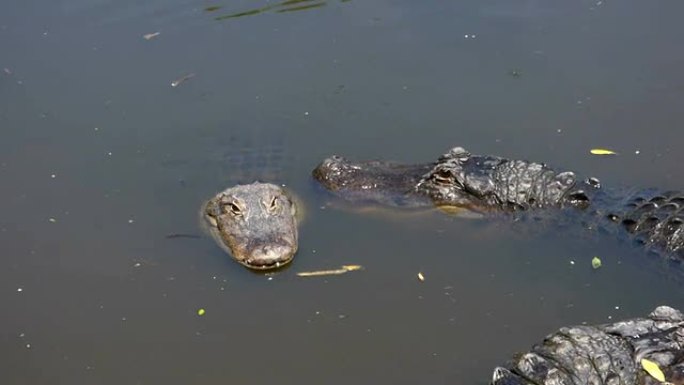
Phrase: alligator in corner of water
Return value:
(490, 184)
(604, 354)
(255, 223)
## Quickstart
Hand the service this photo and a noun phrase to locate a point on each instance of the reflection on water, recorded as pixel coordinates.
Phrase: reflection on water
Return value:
(281, 7)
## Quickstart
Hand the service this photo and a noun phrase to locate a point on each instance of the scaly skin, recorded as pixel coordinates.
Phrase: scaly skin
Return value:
(487, 184)
(255, 223)
(603, 354)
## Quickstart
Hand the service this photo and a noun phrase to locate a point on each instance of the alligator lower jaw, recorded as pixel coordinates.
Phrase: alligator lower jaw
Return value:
(270, 265)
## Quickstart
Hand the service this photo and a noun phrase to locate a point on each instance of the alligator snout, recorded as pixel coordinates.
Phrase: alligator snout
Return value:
(333, 172)
(269, 256)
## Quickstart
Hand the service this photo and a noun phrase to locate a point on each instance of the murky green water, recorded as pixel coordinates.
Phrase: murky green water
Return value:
(101, 159)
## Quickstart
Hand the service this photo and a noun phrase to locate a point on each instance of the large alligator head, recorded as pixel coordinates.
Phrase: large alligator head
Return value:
(485, 182)
(255, 223)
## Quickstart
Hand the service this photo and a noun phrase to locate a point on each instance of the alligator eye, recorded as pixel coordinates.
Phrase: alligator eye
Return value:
(443, 176)
(235, 209)
(273, 205)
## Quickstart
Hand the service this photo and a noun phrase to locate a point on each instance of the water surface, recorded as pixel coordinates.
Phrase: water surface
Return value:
(101, 159)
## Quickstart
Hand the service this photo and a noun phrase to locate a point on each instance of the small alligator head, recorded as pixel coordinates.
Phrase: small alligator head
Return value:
(255, 223)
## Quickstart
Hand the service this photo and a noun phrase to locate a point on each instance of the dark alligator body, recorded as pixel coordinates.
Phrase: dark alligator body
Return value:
(488, 184)
(603, 354)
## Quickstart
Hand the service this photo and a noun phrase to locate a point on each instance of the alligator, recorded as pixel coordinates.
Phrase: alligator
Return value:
(487, 184)
(604, 354)
(255, 223)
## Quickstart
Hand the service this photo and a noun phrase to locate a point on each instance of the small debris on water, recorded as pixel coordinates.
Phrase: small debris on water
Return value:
(150, 36)
(637, 152)
(53, 176)
(182, 79)
(131, 221)
(596, 262)
(19, 290)
(52, 220)
(181, 235)
(200, 312)
(602, 151)
(318, 273)
(572, 262)
(421, 277)
(7, 71)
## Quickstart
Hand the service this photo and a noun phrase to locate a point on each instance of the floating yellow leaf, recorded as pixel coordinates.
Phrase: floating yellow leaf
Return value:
(421, 278)
(602, 151)
(343, 269)
(596, 262)
(653, 369)
(200, 312)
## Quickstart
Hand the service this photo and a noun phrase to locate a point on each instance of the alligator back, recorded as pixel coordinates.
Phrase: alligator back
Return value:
(653, 219)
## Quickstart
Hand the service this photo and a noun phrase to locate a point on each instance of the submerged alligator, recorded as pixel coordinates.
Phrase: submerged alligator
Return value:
(255, 223)
(603, 354)
(490, 184)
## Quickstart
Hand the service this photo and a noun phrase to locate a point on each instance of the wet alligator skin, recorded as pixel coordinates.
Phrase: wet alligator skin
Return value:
(255, 223)
(603, 354)
(491, 184)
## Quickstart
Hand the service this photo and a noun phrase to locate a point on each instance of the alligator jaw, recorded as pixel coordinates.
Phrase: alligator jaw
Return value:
(268, 255)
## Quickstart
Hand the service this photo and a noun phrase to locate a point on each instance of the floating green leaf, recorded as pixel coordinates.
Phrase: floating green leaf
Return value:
(200, 312)
(653, 369)
(596, 262)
